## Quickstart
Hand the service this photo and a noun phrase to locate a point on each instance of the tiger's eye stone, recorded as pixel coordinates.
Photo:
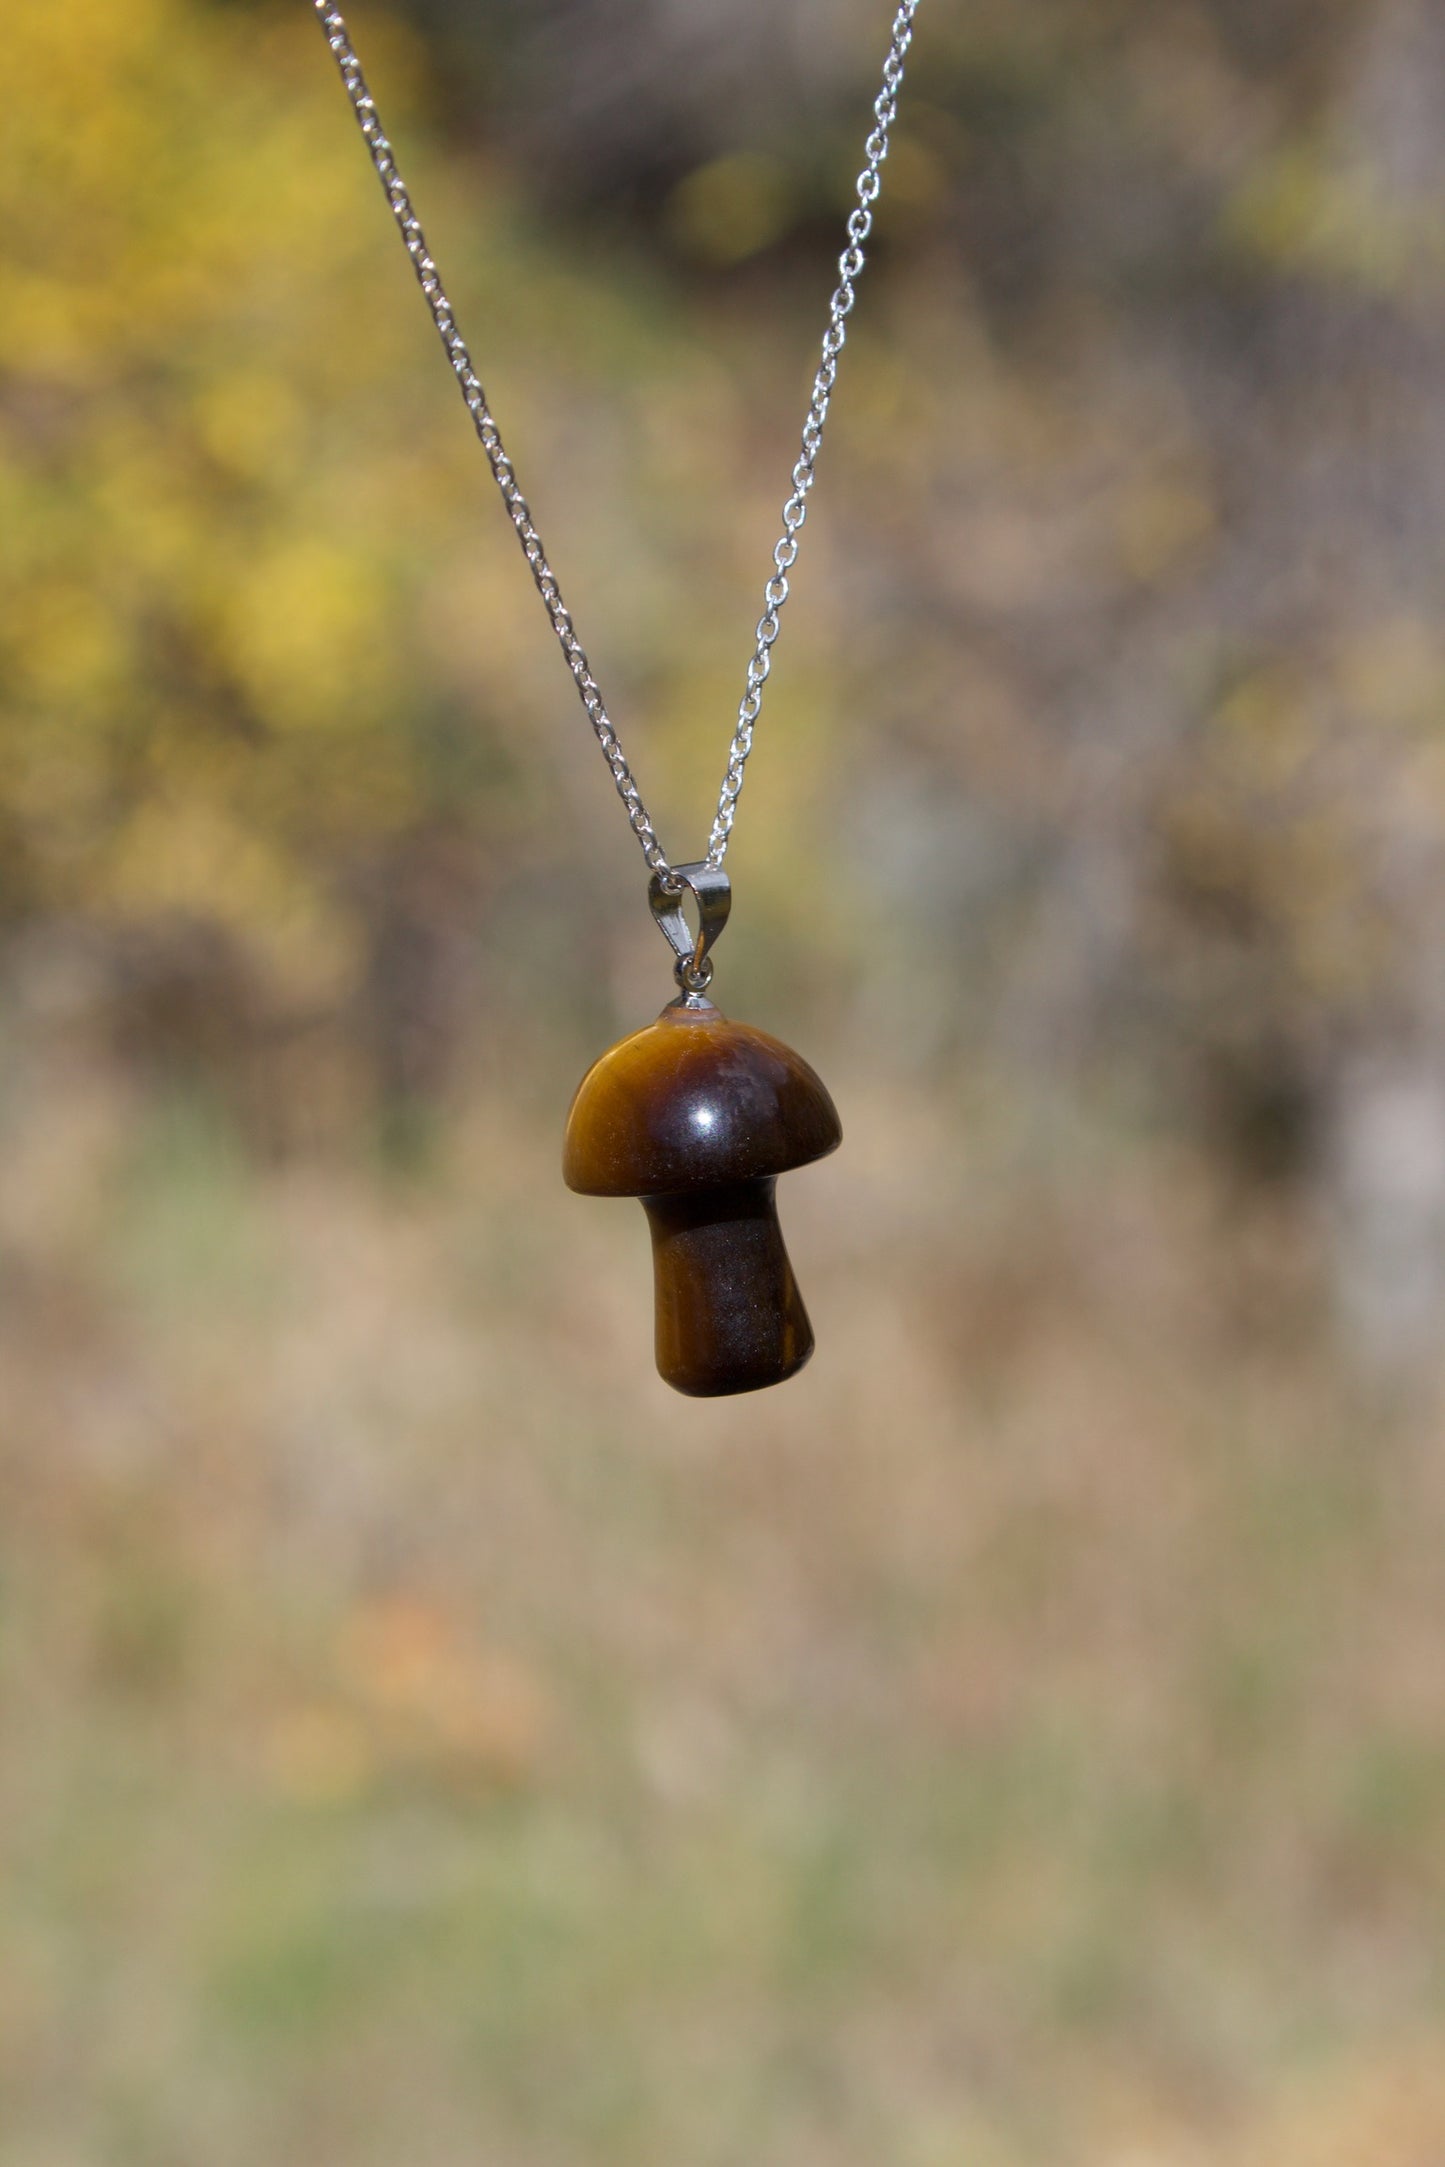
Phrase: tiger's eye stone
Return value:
(697, 1117)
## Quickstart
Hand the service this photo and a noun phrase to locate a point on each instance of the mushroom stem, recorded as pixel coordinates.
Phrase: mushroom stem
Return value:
(729, 1314)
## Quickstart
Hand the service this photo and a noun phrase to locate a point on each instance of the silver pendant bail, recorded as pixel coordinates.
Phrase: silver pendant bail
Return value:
(710, 889)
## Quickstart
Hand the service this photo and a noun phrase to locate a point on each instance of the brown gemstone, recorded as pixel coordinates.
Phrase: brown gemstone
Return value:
(698, 1117)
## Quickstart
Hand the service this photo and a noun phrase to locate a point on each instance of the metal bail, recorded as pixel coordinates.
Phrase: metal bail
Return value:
(711, 891)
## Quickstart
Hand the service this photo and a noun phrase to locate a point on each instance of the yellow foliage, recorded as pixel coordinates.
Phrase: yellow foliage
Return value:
(198, 554)
(731, 207)
(246, 627)
(1304, 209)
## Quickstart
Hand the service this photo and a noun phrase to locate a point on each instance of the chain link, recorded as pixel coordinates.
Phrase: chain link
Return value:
(775, 593)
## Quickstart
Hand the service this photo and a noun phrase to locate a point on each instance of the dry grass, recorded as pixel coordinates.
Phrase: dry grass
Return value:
(1018, 1741)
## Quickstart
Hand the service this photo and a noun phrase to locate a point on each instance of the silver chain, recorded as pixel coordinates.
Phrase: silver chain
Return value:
(775, 593)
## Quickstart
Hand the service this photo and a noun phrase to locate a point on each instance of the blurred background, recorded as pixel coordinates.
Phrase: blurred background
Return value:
(1020, 1742)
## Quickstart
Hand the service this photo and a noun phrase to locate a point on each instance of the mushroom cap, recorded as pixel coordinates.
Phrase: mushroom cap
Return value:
(690, 1101)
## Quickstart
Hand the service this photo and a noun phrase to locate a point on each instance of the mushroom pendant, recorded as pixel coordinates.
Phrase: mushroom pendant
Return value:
(697, 1117)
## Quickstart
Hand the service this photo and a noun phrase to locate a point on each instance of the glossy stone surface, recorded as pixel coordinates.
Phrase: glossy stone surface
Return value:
(729, 1314)
(698, 1116)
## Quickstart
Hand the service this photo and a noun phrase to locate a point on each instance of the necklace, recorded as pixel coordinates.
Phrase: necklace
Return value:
(694, 1115)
